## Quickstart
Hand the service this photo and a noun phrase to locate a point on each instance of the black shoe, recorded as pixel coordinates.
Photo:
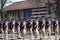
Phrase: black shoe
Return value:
(1, 38)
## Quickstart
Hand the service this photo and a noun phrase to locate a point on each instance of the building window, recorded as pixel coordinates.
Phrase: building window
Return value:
(18, 14)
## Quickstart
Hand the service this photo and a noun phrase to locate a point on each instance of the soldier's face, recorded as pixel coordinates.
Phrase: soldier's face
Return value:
(43, 19)
(18, 21)
(31, 19)
(24, 20)
(37, 19)
(2, 21)
(52, 19)
(49, 20)
(13, 20)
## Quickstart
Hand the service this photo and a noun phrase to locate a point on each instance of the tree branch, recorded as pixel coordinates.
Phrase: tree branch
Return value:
(49, 4)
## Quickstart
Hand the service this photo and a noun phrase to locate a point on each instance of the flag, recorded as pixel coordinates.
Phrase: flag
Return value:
(27, 13)
(39, 12)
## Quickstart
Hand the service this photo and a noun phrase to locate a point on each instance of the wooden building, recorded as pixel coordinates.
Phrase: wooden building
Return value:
(24, 9)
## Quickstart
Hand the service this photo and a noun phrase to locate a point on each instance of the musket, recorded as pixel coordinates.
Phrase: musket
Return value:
(43, 27)
(49, 30)
(24, 30)
(57, 26)
(13, 30)
(43, 31)
(6, 31)
(19, 33)
(37, 31)
(30, 32)
(2, 31)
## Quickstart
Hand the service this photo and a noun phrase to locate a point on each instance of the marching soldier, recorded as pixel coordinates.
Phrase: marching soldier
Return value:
(43, 28)
(6, 28)
(28, 26)
(24, 28)
(34, 28)
(19, 32)
(37, 28)
(40, 27)
(13, 28)
(1, 29)
(30, 23)
(21, 28)
(54, 26)
(10, 26)
(48, 27)
(57, 29)
(2, 25)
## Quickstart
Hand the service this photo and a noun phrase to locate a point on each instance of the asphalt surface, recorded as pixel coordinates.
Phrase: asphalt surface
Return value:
(9, 37)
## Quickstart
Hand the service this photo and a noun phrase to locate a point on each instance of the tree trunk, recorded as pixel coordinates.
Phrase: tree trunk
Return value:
(57, 9)
(1, 14)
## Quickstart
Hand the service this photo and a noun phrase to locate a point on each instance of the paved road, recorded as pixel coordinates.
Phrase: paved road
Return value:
(15, 37)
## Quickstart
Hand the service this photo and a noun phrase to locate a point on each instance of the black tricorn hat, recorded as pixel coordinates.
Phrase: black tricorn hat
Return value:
(57, 18)
(6, 19)
(24, 19)
(31, 18)
(37, 17)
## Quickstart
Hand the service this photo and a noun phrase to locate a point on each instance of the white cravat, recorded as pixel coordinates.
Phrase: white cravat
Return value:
(13, 22)
(19, 23)
(6, 23)
(31, 22)
(56, 21)
(19, 26)
(49, 22)
(37, 23)
(43, 22)
(24, 23)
